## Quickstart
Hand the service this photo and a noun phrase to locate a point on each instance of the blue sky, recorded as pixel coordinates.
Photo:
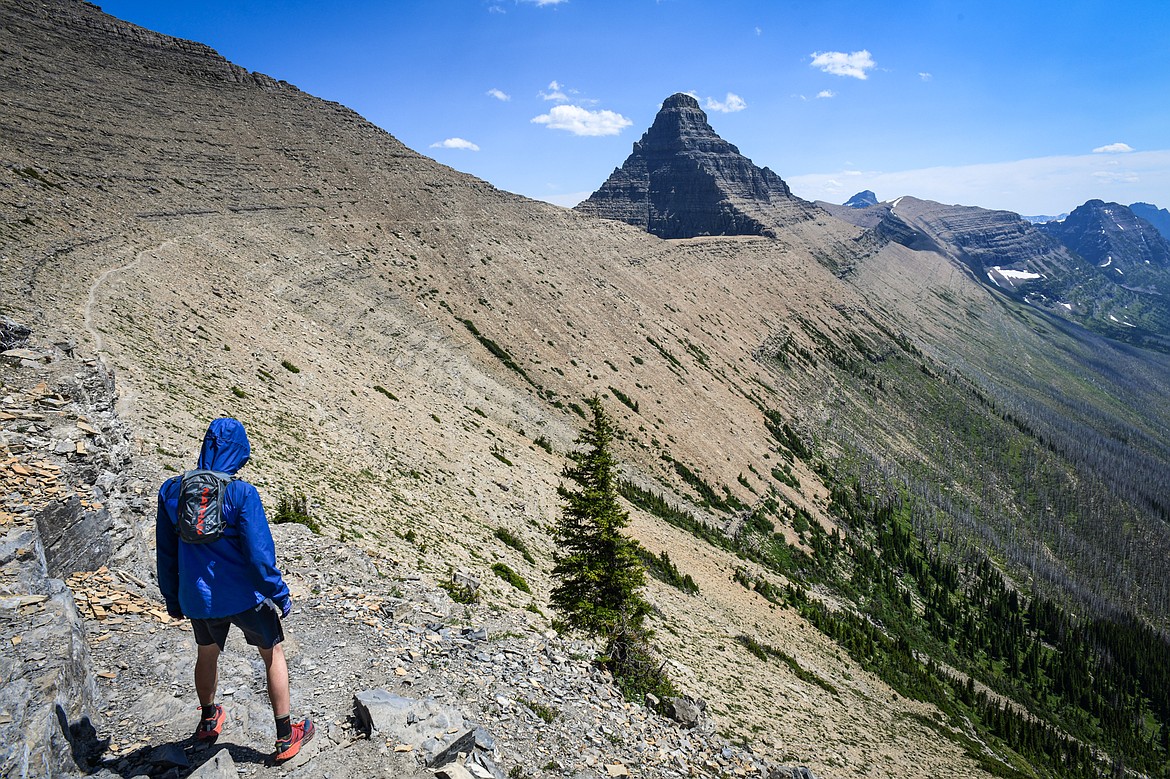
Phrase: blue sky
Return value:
(1034, 107)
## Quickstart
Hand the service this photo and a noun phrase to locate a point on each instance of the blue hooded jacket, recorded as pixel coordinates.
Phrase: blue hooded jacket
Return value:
(234, 573)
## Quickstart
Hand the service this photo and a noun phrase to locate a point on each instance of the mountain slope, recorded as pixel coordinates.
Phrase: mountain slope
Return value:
(407, 345)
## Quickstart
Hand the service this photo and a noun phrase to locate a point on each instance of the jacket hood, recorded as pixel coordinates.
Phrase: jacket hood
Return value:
(225, 447)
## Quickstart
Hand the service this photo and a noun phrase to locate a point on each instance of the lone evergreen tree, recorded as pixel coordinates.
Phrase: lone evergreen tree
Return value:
(598, 568)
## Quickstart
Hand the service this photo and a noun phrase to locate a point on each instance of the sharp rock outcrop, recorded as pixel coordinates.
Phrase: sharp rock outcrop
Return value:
(682, 180)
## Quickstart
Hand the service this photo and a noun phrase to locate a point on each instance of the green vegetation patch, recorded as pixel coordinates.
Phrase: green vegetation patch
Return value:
(511, 577)
(498, 351)
(293, 506)
(660, 567)
(384, 391)
(515, 542)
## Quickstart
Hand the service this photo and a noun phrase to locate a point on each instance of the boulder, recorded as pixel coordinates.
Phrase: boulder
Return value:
(687, 711)
(416, 723)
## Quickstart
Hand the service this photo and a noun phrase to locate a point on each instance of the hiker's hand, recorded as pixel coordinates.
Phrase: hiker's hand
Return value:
(285, 608)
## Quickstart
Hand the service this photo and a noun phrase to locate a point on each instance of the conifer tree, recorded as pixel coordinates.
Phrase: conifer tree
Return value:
(597, 566)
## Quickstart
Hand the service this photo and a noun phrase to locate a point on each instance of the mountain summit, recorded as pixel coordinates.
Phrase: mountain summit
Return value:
(682, 180)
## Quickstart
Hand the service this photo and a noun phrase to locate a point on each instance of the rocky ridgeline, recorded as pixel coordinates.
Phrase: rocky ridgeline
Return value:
(400, 679)
(682, 180)
(1111, 236)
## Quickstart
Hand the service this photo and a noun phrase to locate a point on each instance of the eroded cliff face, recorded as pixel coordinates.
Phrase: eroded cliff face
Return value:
(980, 238)
(1111, 235)
(682, 180)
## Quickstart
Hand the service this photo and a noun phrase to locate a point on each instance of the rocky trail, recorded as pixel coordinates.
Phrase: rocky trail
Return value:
(400, 679)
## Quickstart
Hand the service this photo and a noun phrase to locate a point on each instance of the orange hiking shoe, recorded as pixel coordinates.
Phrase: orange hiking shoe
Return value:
(302, 733)
(210, 727)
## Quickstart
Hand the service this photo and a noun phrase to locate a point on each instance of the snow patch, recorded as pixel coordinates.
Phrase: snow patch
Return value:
(1067, 305)
(1017, 274)
(1108, 262)
(895, 203)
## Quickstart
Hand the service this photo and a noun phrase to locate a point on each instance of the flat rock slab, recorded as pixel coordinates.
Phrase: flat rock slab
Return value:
(438, 732)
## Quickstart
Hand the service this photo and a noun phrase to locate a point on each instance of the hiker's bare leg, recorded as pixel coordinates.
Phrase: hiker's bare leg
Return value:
(207, 673)
(277, 669)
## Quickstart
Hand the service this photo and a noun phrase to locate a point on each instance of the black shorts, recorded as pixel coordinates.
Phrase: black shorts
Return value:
(260, 625)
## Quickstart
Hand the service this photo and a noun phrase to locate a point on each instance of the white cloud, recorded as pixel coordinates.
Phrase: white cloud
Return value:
(455, 143)
(581, 121)
(926, 76)
(499, 94)
(495, 9)
(1042, 185)
(543, 3)
(1116, 176)
(555, 92)
(839, 63)
(730, 104)
(1114, 148)
(826, 93)
(759, 31)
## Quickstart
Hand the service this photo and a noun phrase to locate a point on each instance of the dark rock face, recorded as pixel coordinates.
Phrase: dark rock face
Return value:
(979, 238)
(682, 180)
(863, 199)
(1110, 235)
(1158, 217)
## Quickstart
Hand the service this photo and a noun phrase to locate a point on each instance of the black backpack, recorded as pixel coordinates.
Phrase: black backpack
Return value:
(201, 498)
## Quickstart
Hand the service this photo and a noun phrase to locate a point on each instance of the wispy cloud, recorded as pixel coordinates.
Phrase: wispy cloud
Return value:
(839, 63)
(926, 76)
(499, 94)
(825, 94)
(555, 92)
(495, 9)
(543, 3)
(582, 121)
(455, 143)
(728, 105)
(1114, 148)
(1042, 185)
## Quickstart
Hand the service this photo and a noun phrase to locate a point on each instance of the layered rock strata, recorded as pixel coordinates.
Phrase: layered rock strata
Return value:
(682, 180)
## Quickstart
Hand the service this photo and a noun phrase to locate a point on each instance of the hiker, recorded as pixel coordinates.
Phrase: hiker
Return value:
(217, 567)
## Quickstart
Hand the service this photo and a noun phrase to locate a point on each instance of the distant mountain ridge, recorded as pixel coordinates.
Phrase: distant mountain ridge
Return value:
(1112, 235)
(1158, 217)
(682, 180)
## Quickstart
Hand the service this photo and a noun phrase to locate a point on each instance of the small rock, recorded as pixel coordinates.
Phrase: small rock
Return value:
(454, 771)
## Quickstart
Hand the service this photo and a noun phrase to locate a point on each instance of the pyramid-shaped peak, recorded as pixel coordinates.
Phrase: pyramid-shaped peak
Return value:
(681, 100)
(682, 180)
(681, 123)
